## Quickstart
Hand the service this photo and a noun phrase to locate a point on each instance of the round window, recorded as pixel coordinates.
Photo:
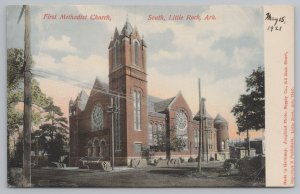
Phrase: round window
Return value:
(97, 118)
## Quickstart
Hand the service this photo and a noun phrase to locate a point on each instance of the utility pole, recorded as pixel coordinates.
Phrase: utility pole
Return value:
(205, 128)
(118, 123)
(200, 131)
(27, 99)
(113, 109)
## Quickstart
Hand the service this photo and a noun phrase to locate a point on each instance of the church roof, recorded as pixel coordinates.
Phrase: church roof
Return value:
(99, 85)
(219, 119)
(82, 99)
(158, 105)
(156, 114)
(151, 101)
(161, 106)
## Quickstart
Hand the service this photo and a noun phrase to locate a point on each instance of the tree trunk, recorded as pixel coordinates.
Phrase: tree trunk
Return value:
(248, 140)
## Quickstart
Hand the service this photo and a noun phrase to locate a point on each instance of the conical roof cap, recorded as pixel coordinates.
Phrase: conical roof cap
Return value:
(220, 119)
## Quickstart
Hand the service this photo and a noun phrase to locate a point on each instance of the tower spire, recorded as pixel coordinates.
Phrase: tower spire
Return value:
(127, 20)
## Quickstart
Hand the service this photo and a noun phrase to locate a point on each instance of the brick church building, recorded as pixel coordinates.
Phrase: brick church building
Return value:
(140, 121)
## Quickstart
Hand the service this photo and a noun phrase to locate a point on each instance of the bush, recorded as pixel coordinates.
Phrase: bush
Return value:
(181, 160)
(252, 166)
(229, 162)
(191, 159)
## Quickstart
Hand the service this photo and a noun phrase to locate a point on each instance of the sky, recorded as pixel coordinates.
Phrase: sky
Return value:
(221, 51)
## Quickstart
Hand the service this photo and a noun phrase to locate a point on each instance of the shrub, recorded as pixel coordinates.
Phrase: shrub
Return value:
(252, 166)
(229, 162)
(191, 159)
(181, 160)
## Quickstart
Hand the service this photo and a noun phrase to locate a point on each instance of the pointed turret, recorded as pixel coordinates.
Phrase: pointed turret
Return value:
(219, 119)
(222, 134)
(144, 42)
(116, 34)
(205, 114)
(127, 29)
(71, 101)
(135, 33)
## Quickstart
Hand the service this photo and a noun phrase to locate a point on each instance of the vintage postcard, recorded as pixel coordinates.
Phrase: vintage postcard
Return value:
(150, 96)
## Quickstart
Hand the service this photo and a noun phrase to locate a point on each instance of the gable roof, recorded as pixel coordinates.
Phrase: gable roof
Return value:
(81, 100)
(99, 85)
(161, 106)
(158, 105)
(151, 100)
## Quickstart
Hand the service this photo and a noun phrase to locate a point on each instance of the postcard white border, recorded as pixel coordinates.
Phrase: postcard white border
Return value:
(3, 159)
(279, 65)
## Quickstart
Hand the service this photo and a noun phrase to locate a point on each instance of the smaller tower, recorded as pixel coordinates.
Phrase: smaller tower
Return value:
(75, 108)
(222, 136)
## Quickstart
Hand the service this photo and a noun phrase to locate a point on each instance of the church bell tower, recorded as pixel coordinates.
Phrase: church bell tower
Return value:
(128, 77)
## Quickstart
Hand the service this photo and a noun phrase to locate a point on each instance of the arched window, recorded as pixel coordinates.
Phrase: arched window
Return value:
(103, 150)
(150, 135)
(196, 140)
(90, 149)
(117, 54)
(223, 145)
(137, 110)
(186, 141)
(159, 133)
(136, 52)
(96, 148)
(154, 132)
(227, 143)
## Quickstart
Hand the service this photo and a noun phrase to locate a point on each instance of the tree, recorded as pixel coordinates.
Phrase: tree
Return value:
(15, 63)
(15, 60)
(177, 143)
(53, 134)
(250, 109)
